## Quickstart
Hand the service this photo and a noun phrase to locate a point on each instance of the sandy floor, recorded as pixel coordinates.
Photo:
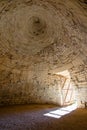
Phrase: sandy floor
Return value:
(31, 117)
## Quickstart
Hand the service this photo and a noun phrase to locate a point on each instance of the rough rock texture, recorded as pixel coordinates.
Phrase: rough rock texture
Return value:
(39, 38)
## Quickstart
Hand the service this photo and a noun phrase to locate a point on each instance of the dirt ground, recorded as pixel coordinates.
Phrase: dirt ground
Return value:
(31, 117)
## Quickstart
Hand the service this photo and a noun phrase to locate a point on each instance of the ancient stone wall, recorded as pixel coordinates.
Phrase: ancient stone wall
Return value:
(39, 38)
(19, 87)
(79, 77)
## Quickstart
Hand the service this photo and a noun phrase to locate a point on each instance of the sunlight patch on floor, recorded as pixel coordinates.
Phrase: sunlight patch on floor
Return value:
(61, 111)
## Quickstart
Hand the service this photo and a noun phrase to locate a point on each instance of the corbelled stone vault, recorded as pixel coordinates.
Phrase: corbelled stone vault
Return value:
(39, 41)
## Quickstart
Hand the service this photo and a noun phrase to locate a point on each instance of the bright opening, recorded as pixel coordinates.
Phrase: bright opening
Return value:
(67, 89)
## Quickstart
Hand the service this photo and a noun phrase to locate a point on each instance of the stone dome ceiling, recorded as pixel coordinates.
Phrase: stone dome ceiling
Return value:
(32, 28)
(39, 39)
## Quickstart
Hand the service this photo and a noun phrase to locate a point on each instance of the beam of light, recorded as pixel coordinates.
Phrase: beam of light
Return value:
(64, 73)
(52, 115)
(70, 108)
(61, 111)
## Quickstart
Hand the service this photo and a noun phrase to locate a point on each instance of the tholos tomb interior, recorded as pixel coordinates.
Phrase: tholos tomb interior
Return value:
(43, 64)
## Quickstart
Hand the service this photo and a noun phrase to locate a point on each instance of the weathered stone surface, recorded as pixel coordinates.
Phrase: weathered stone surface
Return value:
(39, 38)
